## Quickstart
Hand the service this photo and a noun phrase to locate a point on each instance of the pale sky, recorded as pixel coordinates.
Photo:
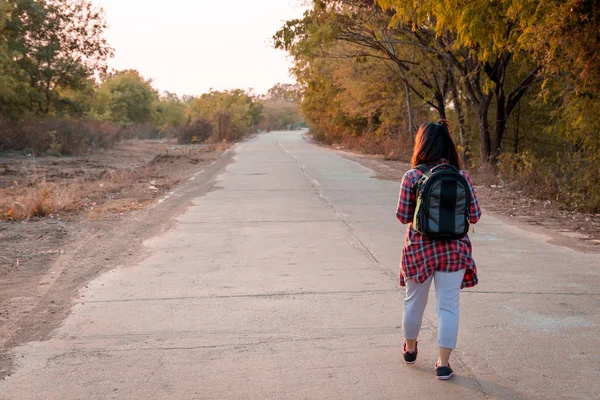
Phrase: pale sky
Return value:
(190, 46)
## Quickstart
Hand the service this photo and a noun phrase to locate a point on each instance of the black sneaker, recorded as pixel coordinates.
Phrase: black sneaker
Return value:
(410, 357)
(443, 373)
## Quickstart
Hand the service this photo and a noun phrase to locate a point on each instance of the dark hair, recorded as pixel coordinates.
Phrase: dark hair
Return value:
(433, 142)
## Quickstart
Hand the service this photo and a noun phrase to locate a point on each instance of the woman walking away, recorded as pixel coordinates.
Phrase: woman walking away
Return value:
(438, 202)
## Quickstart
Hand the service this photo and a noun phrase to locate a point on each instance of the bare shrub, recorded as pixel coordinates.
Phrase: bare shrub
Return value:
(79, 137)
(143, 131)
(319, 135)
(391, 148)
(572, 179)
(41, 200)
(58, 136)
(196, 131)
(29, 134)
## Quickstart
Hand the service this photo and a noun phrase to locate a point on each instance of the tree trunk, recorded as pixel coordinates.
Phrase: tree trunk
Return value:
(499, 129)
(499, 125)
(409, 111)
(517, 125)
(440, 102)
(480, 102)
(484, 128)
(504, 107)
(459, 113)
(505, 103)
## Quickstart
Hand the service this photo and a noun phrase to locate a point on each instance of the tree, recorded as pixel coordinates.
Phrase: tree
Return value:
(196, 131)
(55, 45)
(232, 112)
(563, 38)
(170, 111)
(487, 36)
(13, 100)
(127, 98)
(284, 91)
(359, 31)
(524, 74)
(369, 31)
(279, 107)
(279, 115)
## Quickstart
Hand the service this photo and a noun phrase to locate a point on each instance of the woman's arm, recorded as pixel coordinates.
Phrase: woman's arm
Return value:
(475, 210)
(406, 201)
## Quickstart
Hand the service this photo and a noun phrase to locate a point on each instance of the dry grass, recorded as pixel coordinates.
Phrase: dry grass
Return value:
(43, 198)
(36, 196)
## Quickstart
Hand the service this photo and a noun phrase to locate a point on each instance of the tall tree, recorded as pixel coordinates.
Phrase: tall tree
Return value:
(55, 44)
(127, 98)
(13, 88)
(367, 27)
(489, 35)
(284, 91)
(170, 111)
(232, 113)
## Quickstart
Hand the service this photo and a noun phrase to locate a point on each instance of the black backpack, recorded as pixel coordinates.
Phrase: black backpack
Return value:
(443, 203)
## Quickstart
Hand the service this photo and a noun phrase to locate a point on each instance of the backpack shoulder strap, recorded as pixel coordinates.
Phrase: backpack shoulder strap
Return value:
(424, 168)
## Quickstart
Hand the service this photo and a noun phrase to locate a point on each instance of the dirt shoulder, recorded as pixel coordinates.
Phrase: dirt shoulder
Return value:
(116, 199)
(578, 231)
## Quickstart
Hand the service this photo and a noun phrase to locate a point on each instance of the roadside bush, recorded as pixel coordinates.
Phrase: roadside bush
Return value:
(24, 135)
(319, 135)
(57, 136)
(573, 179)
(142, 131)
(392, 148)
(79, 137)
(196, 131)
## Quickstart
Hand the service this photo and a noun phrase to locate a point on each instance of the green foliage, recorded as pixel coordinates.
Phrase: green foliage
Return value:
(13, 96)
(56, 95)
(563, 37)
(355, 74)
(170, 112)
(231, 113)
(13, 91)
(286, 92)
(519, 79)
(47, 47)
(126, 98)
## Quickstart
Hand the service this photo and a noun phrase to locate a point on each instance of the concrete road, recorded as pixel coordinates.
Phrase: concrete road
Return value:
(282, 284)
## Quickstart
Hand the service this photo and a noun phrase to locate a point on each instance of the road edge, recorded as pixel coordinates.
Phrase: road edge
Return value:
(124, 245)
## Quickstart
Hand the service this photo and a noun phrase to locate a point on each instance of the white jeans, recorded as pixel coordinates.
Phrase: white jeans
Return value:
(447, 291)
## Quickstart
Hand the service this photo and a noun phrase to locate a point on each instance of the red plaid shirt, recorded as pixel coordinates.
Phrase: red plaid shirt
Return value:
(421, 256)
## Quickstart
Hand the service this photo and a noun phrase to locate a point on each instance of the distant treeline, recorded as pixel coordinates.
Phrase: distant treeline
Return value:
(520, 81)
(57, 95)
